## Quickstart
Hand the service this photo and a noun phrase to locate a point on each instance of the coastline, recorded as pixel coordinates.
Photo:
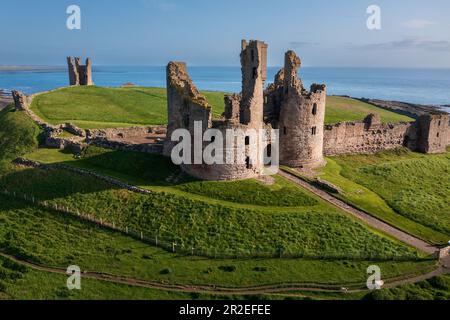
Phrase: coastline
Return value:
(5, 98)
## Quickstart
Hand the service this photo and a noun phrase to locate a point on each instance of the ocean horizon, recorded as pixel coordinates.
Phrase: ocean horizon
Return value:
(421, 86)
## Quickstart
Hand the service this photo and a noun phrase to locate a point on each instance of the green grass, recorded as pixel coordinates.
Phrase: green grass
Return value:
(340, 109)
(281, 194)
(437, 288)
(406, 189)
(317, 231)
(23, 283)
(59, 240)
(18, 135)
(97, 107)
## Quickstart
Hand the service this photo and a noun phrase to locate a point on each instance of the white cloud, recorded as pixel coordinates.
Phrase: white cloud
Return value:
(410, 44)
(418, 24)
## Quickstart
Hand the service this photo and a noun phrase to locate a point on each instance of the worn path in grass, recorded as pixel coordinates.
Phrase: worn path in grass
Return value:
(370, 220)
(216, 290)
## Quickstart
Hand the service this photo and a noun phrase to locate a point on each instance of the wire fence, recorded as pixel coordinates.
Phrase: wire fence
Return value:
(180, 247)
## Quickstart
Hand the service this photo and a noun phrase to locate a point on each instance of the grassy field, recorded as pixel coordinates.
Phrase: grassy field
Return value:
(437, 288)
(314, 229)
(96, 107)
(344, 109)
(407, 189)
(192, 213)
(18, 135)
(22, 283)
(59, 240)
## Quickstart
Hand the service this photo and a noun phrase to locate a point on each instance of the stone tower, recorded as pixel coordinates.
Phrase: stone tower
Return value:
(301, 119)
(432, 133)
(254, 74)
(79, 75)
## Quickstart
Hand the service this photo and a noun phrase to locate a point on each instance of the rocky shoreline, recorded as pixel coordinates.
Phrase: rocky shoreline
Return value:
(412, 110)
(5, 98)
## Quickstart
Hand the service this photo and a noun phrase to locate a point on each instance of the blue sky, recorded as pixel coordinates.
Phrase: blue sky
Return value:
(208, 32)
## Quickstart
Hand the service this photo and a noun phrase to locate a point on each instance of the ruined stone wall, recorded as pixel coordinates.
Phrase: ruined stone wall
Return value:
(185, 104)
(434, 133)
(79, 75)
(120, 133)
(238, 168)
(254, 74)
(273, 98)
(429, 134)
(301, 119)
(242, 112)
(358, 137)
(232, 108)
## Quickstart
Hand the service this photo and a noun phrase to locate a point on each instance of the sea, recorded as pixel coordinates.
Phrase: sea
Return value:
(421, 86)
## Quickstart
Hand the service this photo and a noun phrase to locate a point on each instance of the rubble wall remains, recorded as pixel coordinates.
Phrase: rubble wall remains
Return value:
(429, 134)
(79, 75)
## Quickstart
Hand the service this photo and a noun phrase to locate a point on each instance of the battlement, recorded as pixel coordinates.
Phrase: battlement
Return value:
(79, 75)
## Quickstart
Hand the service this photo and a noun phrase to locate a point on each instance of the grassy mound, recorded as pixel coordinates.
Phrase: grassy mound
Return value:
(18, 135)
(407, 189)
(97, 107)
(341, 109)
(58, 240)
(319, 231)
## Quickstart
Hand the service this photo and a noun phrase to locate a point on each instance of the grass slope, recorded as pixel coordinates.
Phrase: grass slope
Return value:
(341, 109)
(18, 135)
(59, 240)
(407, 189)
(22, 283)
(316, 231)
(319, 231)
(97, 107)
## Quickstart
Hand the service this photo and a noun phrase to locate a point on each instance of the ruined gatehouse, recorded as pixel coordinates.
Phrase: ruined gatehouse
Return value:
(297, 113)
(79, 75)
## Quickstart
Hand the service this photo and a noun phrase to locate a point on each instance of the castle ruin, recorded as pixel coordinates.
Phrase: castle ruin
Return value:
(245, 111)
(298, 114)
(79, 75)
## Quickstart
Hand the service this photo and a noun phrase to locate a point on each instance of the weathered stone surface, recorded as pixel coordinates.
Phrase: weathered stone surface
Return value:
(185, 104)
(429, 134)
(20, 100)
(232, 107)
(359, 137)
(79, 75)
(298, 114)
(254, 75)
(434, 133)
(242, 112)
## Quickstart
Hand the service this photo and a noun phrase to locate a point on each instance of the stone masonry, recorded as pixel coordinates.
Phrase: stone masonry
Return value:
(298, 114)
(242, 112)
(428, 134)
(79, 75)
(286, 105)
